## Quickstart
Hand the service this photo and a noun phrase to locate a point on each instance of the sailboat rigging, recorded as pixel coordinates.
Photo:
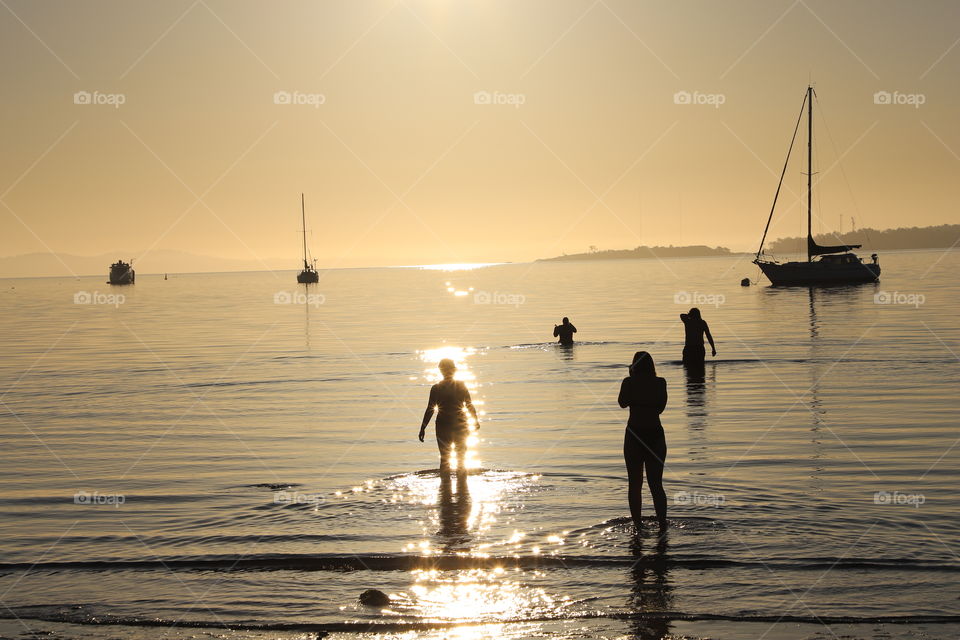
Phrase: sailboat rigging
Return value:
(309, 273)
(834, 264)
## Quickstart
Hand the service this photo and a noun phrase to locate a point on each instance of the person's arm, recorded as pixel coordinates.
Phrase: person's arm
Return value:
(467, 400)
(706, 330)
(624, 398)
(431, 403)
(684, 317)
(573, 328)
(662, 396)
(556, 331)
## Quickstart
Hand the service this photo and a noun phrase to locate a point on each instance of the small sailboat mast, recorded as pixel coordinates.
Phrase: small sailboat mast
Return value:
(809, 171)
(303, 224)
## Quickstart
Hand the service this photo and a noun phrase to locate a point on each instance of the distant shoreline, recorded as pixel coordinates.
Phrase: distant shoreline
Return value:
(945, 236)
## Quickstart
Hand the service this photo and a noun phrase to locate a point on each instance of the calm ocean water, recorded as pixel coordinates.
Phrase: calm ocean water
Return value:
(235, 450)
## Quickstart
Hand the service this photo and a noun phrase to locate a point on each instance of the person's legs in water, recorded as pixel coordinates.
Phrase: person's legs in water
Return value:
(655, 459)
(445, 444)
(634, 460)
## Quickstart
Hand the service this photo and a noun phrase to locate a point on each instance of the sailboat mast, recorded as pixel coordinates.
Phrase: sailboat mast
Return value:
(809, 169)
(303, 221)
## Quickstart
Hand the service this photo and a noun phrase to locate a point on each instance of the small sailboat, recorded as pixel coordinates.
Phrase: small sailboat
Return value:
(122, 273)
(825, 265)
(309, 273)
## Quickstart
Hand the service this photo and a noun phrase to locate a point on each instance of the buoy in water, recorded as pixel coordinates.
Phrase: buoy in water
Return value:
(745, 282)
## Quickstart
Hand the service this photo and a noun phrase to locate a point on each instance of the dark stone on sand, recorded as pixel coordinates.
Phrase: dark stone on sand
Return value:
(374, 598)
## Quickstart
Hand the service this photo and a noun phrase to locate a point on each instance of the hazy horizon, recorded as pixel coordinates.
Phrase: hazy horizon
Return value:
(470, 132)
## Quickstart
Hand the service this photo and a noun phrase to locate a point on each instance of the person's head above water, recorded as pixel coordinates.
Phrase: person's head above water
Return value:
(566, 320)
(694, 313)
(447, 367)
(643, 366)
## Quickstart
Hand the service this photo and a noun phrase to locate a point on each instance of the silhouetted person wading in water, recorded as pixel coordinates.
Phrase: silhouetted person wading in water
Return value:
(449, 397)
(695, 328)
(565, 332)
(644, 445)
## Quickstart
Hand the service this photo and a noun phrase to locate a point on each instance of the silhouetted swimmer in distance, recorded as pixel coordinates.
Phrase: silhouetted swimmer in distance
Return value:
(644, 445)
(449, 397)
(565, 332)
(695, 327)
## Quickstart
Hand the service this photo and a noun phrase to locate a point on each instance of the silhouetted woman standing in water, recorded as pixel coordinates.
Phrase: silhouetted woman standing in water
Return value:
(695, 328)
(644, 445)
(449, 397)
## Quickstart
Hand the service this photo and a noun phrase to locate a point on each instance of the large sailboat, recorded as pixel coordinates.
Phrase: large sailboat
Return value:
(309, 273)
(825, 265)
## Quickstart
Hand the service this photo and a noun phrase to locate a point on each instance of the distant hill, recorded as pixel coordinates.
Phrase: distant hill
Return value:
(942, 236)
(643, 252)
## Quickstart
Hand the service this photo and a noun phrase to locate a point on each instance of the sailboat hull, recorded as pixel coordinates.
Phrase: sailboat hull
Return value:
(308, 277)
(800, 274)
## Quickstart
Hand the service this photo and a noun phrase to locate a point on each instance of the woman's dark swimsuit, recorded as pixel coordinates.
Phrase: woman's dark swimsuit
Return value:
(644, 443)
(449, 397)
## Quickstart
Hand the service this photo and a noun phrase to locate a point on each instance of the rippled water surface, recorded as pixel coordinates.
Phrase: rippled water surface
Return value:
(232, 451)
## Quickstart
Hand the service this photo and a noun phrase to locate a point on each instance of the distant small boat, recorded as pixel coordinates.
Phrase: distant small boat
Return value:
(122, 273)
(309, 273)
(823, 266)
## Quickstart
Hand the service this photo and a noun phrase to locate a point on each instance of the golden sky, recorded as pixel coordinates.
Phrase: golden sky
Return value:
(425, 131)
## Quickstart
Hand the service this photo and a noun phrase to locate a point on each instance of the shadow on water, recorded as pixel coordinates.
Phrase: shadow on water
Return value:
(651, 591)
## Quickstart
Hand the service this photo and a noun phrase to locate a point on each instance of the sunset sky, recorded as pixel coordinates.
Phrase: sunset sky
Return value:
(402, 162)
